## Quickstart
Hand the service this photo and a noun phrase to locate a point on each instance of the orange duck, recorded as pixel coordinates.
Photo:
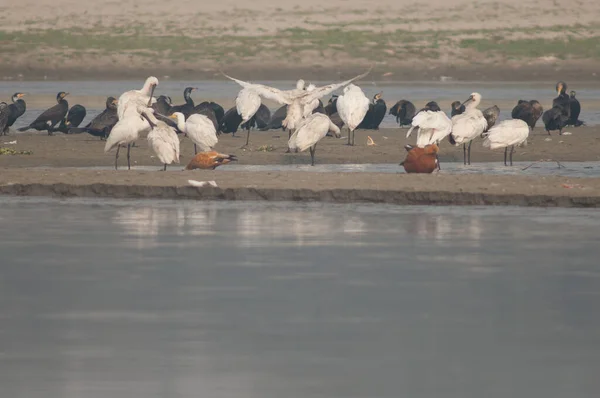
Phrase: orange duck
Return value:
(421, 160)
(209, 160)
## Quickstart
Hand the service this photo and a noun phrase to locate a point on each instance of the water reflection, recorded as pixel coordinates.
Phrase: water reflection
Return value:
(180, 299)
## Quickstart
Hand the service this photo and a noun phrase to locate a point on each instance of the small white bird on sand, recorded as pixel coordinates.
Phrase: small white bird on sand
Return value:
(507, 133)
(141, 97)
(310, 132)
(163, 140)
(433, 126)
(128, 130)
(199, 128)
(468, 125)
(352, 106)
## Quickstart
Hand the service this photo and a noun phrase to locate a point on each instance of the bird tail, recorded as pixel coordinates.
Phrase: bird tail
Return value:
(23, 128)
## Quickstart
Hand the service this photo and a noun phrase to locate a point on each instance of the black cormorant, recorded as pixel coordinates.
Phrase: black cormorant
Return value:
(563, 100)
(162, 105)
(73, 119)
(555, 119)
(16, 110)
(102, 124)
(188, 108)
(52, 116)
(277, 119)
(528, 111)
(404, 111)
(4, 114)
(231, 121)
(491, 115)
(575, 107)
(457, 108)
(375, 114)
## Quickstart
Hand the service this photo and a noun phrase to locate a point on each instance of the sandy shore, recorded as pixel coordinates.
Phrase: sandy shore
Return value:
(55, 169)
(499, 41)
(268, 147)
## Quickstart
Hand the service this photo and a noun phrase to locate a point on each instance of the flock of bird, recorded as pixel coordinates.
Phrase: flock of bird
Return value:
(138, 113)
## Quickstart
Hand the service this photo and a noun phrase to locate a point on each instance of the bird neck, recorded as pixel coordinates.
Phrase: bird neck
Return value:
(188, 98)
(181, 124)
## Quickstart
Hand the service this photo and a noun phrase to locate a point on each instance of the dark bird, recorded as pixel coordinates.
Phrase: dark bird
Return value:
(231, 121)
(320, 108)
(162, 105)
(277, 119)
(102, 124)
(421, 160)
(575, 110)
(331, 111)
(209, 160)
(16, 110)
(491, 115)
(73, 119)
(217, 109)
(188, 108)
(528, 111)
(208, 111)
(563, 101)
(457, 108)
(4, 115)
(260, 119)
(404, 111)
(51, 117)
(555, 119)
(375, 114)
(431, 106)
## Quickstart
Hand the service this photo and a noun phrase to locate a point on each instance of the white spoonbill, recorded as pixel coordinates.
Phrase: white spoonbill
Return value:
(141, 97)
(295, 99)
(352, 106)
(507, 133)
(247, 103)
(434, 126)
(127, 130)
(163, 140)
(310, 131)
(199, 128)
(468, 125)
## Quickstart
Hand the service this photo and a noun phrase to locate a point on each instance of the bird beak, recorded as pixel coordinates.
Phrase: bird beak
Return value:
(116, 102)
(468, 100)
(20, 95)
(65, 94)
(151, 94)
(172, 117)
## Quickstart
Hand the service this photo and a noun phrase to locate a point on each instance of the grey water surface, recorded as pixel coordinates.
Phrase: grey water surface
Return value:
(505, 95)
(103, 299)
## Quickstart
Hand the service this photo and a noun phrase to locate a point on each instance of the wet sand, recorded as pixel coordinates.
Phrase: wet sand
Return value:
(52, 170)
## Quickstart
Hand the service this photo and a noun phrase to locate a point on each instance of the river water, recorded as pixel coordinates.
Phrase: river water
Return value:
(103, 299)
(92, 94)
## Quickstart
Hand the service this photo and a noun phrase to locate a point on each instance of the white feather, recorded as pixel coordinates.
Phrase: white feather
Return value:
(507, 133)
(199, 129)
(433, 127)
(164, 142)
(136, 97)
(128, 128)
(352, 106)
(312, 130)
(247, 103)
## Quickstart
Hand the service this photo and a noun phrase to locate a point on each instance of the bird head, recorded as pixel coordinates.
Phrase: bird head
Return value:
(561, 88)
(61, 95)
(300, 84)
(573, 93)
(378, 96)
(17, 96)
(473, 100)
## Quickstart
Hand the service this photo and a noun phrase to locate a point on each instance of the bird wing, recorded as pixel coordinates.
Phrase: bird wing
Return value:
(468, 126)
(200, 128)
(271, 93)
(322, 91)
(4, 113)
(309, 132)
(507, 133)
